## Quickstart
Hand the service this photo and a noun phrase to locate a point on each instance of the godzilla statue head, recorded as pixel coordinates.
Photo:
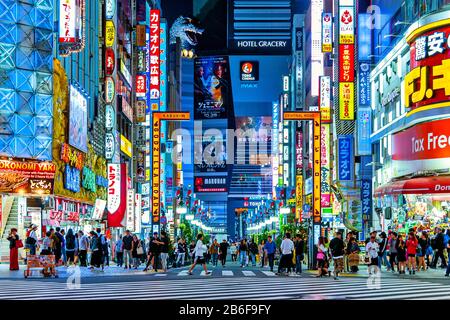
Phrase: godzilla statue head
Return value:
(187, 30)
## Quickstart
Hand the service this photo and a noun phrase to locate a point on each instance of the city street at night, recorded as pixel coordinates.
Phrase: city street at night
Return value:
(207, 151)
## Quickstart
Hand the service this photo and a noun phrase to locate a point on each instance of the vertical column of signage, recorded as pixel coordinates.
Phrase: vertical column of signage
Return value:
(346, 60)
(110, 84)
(325, 166)
(327, 32)
(275, 160)
(163, 105)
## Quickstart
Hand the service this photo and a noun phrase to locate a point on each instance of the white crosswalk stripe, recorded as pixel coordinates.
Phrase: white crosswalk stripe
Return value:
(227, 272)
(269, 273)
(248, 273)
(226, 288)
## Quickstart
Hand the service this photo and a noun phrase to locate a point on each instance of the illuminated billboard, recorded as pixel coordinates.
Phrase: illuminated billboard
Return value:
(78, 119)
(212, 88)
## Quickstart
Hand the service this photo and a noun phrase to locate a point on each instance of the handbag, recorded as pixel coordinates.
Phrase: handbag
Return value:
(367, 258)
(320, 256)
(140, 250)
(19, 244)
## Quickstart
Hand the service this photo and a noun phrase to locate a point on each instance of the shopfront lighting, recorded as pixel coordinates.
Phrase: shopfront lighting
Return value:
(181, 210)
(189, 217)
(285, 210)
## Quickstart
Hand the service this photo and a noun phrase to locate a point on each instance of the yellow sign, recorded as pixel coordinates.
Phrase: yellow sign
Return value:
(298, 197)
(325, 114)
(110, 33)
(126, 146)
(156, 157)
(315, 117)
(346, 101)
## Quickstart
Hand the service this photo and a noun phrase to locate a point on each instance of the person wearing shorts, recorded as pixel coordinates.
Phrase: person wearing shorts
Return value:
(198, 254)
(411, 251)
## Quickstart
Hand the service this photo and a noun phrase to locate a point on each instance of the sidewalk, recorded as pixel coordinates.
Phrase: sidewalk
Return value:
(437, 273)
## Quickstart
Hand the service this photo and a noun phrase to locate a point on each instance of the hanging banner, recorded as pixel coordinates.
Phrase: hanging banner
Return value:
(325, 166)
(346, 62)
(67, 20)
(110, 61)
(364, 128)
(117, 195)
(366, 199)
(298, 196)
(155, 31)
(110, 33)
(346, 25)
(346, 101)
(325, 98)
(110, 145)
(137, 212)
(109, 90)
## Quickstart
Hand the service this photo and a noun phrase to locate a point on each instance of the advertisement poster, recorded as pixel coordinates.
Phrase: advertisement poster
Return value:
(364, 127)
(26, 177)
(117, 194)
(254, 139)
(78, 120)
(213, 155)
(211, 184)
(212, 88)
(327, 29)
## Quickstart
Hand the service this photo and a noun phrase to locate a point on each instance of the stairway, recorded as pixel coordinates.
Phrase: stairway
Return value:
(11, 223)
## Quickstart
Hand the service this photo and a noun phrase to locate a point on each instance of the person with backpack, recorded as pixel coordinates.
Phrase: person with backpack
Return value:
(214, 251)
(104, 248)
(31, 241)
(299, 253)
(119, 252)
(71, 246)
(437, 243)
(382, 252)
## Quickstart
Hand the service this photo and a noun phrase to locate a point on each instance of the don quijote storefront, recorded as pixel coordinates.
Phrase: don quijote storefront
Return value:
(419, 194)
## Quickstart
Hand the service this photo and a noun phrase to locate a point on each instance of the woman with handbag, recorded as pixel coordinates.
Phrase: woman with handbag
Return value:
(322, 258)
(353, 255)
(14, 244)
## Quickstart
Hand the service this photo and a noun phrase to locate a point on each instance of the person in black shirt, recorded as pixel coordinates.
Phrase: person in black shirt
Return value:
(164, 250)
(191, 250)
(127, 246)
(439, 249)
(223, 248)
(181, 249)
(337, 248)
(153, 252)
(299, 245)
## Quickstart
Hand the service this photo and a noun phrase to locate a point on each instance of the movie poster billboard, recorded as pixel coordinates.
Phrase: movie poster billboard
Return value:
(254, 138)
(78, 120)
(212, 88)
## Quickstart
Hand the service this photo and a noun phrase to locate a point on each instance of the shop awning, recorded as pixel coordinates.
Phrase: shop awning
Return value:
(439, 184)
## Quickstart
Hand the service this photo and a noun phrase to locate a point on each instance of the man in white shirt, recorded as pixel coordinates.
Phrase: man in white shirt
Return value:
(83, 245)
(372, 248)
(32, 241)
(287, 247)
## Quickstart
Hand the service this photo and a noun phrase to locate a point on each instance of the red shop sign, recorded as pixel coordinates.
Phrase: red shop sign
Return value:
(110, 61)
(346, 62)
(428, 82)
(429, 140)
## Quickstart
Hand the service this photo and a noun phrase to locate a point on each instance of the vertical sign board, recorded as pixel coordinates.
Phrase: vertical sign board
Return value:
(275, 163)
(325, 98)
(137, 212)
(327, 32)
(156, 161)
(131, 222)
(364, 128)
(154, 53)
(325, 166)
(67, 19)
(345, 158)
(316, 122)
(299, 68)
(298, 197)
(117, 186)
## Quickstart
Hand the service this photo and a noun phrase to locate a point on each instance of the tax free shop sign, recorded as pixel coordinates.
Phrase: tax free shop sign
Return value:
(424, 146)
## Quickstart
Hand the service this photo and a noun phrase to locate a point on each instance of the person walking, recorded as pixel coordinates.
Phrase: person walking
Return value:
(214, 251)
(447, 272)
(181, 251)
(262, 253)
(58, 241)
(299, 245)
(401, 255)
(372, 249)
(154, 250)
(83, 246)
(135, 245)
(411, 250)
(287, 249)
(243, 251)
(346, 256)
(199, 255)
(96, 250)
(322, 258)
(223, 248)
(46, 249)
(337, 248)
(421, 251)
(439, 247)
(191, 251)
(31, 241)
(118, 248)
(14, 244)
(383, 252)
(253, 251)
(63, 246)
(353, 255)
(164, 250)
(233, 252)
(393, 251)
(270, 249)
(127, 247)
(71, 246)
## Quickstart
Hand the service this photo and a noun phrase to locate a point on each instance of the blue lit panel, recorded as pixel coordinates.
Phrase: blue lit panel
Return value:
(26, 107)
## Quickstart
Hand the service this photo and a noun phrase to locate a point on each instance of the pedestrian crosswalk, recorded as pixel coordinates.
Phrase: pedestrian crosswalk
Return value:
(204, 288)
